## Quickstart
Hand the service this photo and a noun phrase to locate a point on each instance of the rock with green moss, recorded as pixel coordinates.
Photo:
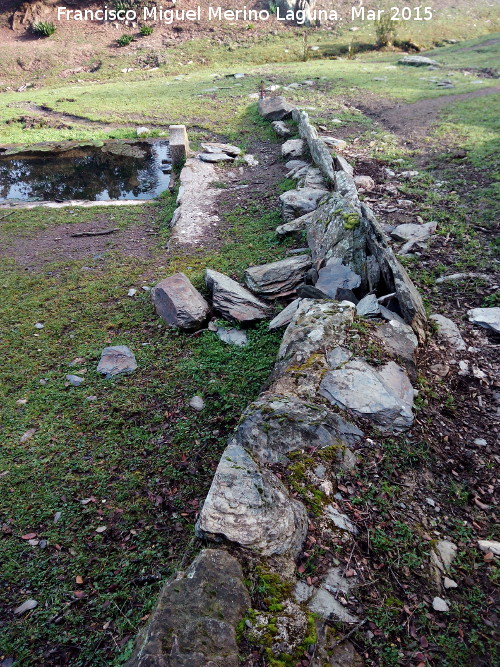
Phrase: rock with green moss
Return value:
(196, 615)
(250, 507)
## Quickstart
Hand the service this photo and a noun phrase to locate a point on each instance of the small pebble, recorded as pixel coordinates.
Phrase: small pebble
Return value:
(197, 403)
(438, 604)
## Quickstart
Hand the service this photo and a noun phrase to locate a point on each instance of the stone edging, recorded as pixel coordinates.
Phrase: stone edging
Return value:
(322, 390)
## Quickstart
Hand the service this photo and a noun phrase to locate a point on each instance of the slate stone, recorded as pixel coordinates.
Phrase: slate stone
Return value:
(341, 164)
(294, 227)
(233, 301)
(413, 232)
(284, 317)
(293, 149)
(340, 520)
(399, 341)
(325, 605)
(274, 426)
(194, 621)
(228, 149)
(115, 360)
(449, 332)
(75, 380)
(344, 294)
(311, 276)
(368, 306)
(334, 276)
(418, 61)
(232, 336)
(488, 318)
(310, 292)
(311, 177)
(215, 157)
(277, 279)
(296, 203)
(178, 303)
(251, 507)
(275, 108)
(384, 395)
(281, 129)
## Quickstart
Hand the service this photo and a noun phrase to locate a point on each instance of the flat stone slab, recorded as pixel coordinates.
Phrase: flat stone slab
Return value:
(215, 157)
(399, 341)
(273, 426)
(194, 621)
(284, 317)
(295, 203)
(336, 275)
(384, 395)
(294, 227)
(178, 303)
(368, 306)
(488, 318)
(275, 108)
(277, 279)
(281, 129)
(418, 61)
(293, 149)
(233, 301)
(232, 336)
(413, 232)
(115, 360)
(228, 149)
(251, 507)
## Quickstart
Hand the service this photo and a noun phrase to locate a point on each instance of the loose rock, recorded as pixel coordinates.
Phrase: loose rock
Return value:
(232, 300)
(295, 203)
(75, 380)
(292, 149)
(178, 303)
(277, 279)
(115, 360)
(488, 318)
(449, 332)
(232, 336)
(281, 129)
(197, 403)
(275, 108)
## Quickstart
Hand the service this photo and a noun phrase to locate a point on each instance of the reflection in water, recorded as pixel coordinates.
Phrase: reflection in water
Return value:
(117, 170)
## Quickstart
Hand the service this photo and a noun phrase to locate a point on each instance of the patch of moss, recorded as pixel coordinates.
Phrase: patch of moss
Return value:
(351, 220)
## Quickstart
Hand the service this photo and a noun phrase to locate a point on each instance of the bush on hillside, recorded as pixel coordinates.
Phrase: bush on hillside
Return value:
(43, 29)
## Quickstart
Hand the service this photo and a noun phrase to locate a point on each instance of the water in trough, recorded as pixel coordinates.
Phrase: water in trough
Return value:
(93, 170)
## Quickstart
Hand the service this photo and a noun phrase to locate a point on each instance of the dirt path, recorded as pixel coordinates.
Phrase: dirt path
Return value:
(413, 121)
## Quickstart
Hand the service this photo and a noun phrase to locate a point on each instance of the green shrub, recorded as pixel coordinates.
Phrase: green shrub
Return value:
(145, 30)
(43, 29)
(125, 39)
(385, 29)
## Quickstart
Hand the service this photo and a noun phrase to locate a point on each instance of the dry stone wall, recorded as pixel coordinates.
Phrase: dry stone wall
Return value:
(325, 392)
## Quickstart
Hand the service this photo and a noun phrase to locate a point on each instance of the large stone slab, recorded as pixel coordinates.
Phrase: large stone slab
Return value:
(273, 426)
(251, 507)
(196, 615)
(399, 342)
(284, 317)
(275, 108)
(178, 303)
(233, 301)
(215, 147)
(384, 395)
(293, 149)
(277, 279)
(418, 61)
(337, 230)
(317, 148)
(394, 275)
(296, 203)
(488, 318)
(116, 360)
(449, 332)
(335, 276)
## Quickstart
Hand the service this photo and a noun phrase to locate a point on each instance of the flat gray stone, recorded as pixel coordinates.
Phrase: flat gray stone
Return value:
(252, 508)
(488, 318)
(273, 426)
(335, 276)
(438, 604)
(295, 203)
(489, 546)
(115, 360)
(275, 108)
(342, 165)
(233, 301)
(294, 227)
(25, 606)
(194, 621)
(232, 336)
(413, 232)
(400, 342)
(75, 380)
(384, 395)
(327, 606)
(228, 149)
(368, 306)
(293, 149)
(449, 332)
(336, 144)
(340, 520)
(281, 129)
(215, 157)
(197, 403)
(418, 61)
(277, 279)
(311, 177)
(284, 317)
(178, 303)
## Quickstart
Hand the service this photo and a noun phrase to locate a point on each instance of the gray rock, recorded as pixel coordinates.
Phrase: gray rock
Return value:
(281, 129)
(293, 149)
(449, 583)
(178, 303)
(75, 380)
(273, 426)
(251, 160)
(277, 279)
(25, 606)
(232, 336)
(399, 341)
(340, 520)
(327, 606)
(368, 306)
(295, 203)
(449, 332)
(295, 166)
(228, 149)
(338, 356)
(284, 317)
(364, 182)
(334, 276)
(341, 164)
(311, 177)
(489, 318)
(252, 508)
(438, 604)
(418, 61)
(413, 232)
(320, 154)
(275, 108)
(294, 227)
(489, 546)
(142, 131)
(194, 621)
(384, 395)
(197, 403)
(115, 360)
(305, 291)
(232, 300)
(215, 157)
(336, 144)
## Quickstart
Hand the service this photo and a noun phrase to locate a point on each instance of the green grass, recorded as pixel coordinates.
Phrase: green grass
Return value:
(142, 456)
